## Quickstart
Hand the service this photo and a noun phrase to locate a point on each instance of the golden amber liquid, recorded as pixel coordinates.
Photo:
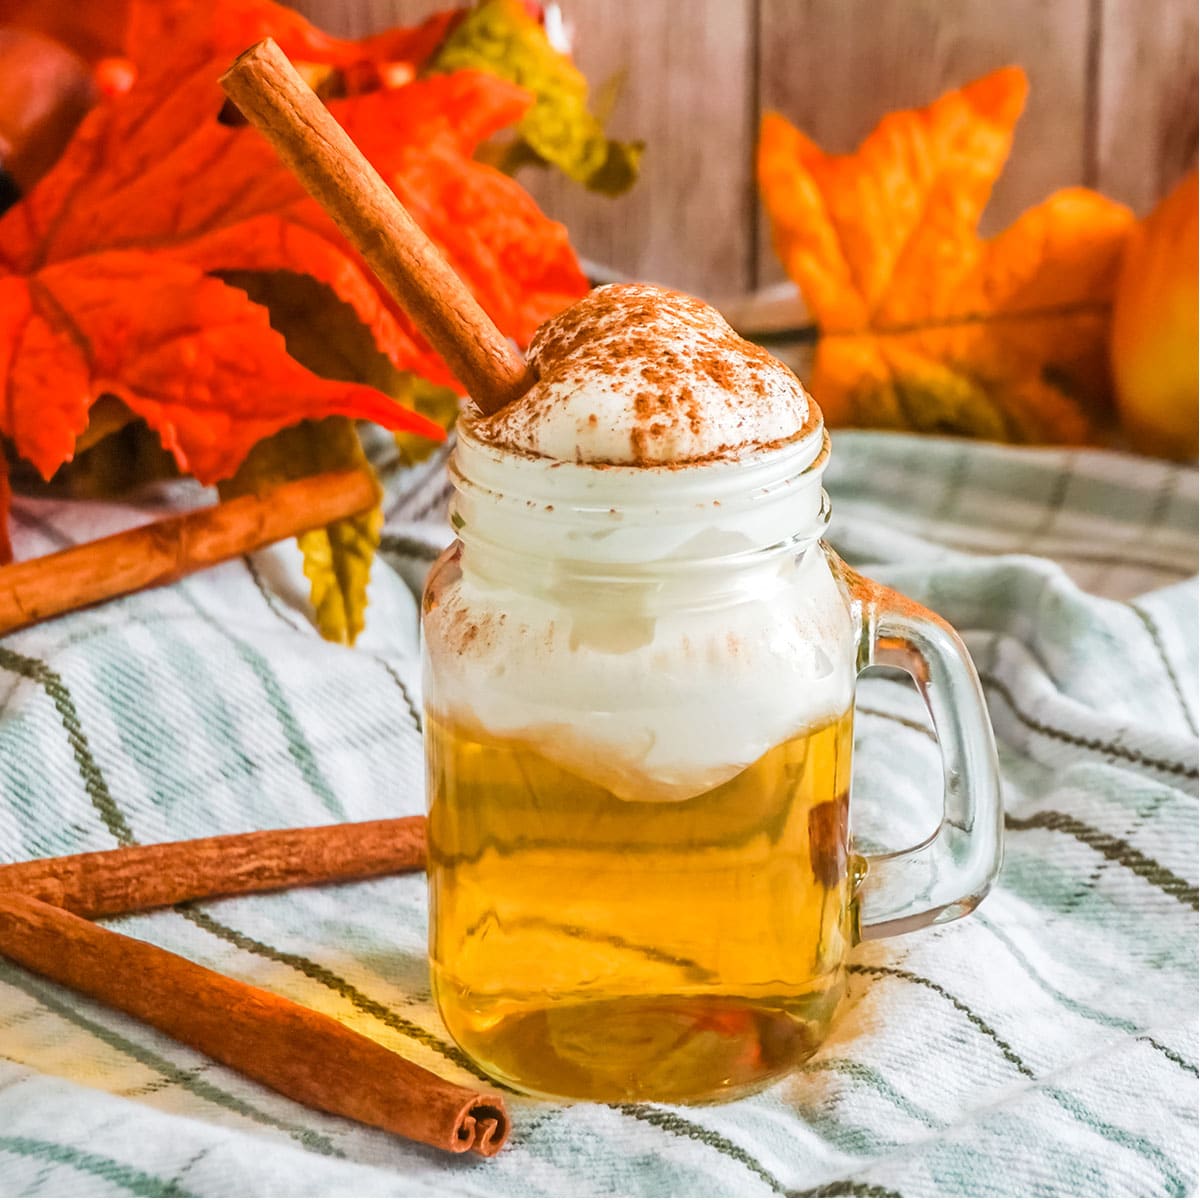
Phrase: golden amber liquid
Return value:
(597, 948)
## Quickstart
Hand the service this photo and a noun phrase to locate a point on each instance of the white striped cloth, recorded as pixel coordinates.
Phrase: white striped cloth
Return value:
(1045, 1046)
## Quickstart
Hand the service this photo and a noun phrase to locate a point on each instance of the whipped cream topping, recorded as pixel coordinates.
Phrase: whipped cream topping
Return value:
(641, 596)
(638, 375)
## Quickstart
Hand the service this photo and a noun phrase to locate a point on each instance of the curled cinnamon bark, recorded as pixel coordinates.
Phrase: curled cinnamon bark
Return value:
(300, 1053)
(168, 549)
(107, 883)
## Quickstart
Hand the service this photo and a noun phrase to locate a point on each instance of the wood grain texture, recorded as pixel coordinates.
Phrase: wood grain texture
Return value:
(1146, 98)
(1112, 105)
(688, 93)
(834, 67)
(354, 18)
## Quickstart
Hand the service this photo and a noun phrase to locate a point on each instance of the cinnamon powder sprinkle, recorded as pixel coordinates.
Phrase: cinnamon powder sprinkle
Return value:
(634, 375)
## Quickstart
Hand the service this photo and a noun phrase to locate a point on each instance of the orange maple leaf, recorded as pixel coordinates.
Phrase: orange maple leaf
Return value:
(104, 284)
(222, 29)
(140, 29)
(922, 324)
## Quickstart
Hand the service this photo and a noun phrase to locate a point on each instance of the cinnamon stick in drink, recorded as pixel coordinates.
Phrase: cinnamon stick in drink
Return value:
(168, 549)
(275, 99)
(301, 1053)
(107, 883)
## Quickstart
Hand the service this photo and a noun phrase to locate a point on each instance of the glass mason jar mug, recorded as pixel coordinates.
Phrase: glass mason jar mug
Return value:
(639, 688)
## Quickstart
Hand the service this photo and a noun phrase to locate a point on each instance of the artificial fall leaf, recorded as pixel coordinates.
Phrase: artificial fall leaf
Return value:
(140, 29)
(90, 30)
(438, 404)
(337, 558)
(500, 36)
(924, 325)
(222, 29)
(324, 335)
(5, 501)
(115, 455)
(104, 284)
(337, 561)
(193, 358)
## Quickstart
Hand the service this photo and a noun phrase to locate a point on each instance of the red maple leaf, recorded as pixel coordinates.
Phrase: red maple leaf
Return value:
(104, 284)
(224, 28)
(140, 29)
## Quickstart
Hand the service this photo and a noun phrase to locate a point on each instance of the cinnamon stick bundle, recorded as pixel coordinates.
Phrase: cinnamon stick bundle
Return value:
(301, 1053)
(107, 883)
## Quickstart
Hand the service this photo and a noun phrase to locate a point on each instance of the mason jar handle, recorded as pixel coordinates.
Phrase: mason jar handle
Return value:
(947, 875)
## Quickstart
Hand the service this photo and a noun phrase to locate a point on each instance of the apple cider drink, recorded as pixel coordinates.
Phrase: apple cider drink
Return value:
(639, 680)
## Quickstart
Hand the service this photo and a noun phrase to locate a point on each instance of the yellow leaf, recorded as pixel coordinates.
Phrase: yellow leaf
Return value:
(338, 557)
(326, 336)
(923, 324)
(439, 404)
(499, 36)
(337, 561)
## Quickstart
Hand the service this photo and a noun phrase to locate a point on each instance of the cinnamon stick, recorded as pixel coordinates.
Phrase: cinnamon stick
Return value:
(300, 1053)
(168, 549)
(275, 99)
(108, 883)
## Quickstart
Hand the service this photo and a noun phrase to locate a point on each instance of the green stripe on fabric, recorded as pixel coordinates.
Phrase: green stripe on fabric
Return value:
(1069, 1105)
(96, 787)
(997, 472)
(119, 827)
(1171, 1056)
(94, 783)
(861, 1073)
(136, 1182)
(1114, 849)
(270, 599)
(1077, 1007)
(1057, 498)
(336, 983)
(1160, 646)
(51, 533)
(896, 719)
(1176, 1185)
(413, 711)
(407, 547)
(199, 687)
(911, 977)
(669, 1122)
(191, 1163)
(1064, 553)
(948, 504)
(298, 747)
(682, 1127)
(845, 1187)
(272, 603)
(190, 1081)
(1085, 743)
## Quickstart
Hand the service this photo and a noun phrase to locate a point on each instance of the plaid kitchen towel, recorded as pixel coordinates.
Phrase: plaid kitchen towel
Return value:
(1045, 1046)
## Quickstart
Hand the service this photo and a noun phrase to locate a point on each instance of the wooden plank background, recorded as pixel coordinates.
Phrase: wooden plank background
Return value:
(1113, 105)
